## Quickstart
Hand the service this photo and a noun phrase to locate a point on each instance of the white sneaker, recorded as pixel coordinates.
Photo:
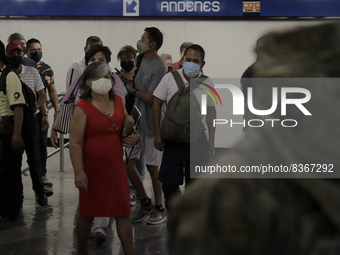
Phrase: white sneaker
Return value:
(141, 212)
(157, 217)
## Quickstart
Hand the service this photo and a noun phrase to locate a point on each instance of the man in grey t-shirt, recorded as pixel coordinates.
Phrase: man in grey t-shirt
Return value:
(147, 79)
(151, 71)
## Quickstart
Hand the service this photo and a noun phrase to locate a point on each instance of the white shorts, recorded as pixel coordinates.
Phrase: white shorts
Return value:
(153, 157)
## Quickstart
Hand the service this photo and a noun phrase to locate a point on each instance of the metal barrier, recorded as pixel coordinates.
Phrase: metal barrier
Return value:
(62, 145)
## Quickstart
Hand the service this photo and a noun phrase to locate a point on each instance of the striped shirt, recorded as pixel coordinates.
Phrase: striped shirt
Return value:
(31, 77)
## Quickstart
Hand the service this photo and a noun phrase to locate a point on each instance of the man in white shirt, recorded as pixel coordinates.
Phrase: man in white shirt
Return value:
(77, 68)
(176, 154)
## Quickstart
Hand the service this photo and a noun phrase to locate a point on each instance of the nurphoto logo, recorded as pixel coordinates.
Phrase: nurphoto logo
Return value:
(238, 104)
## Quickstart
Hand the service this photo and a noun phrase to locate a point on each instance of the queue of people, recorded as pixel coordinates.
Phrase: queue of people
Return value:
(24, 123)
(109, 168)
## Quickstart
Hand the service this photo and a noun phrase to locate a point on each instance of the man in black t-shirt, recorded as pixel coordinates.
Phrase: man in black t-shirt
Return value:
(34, 52)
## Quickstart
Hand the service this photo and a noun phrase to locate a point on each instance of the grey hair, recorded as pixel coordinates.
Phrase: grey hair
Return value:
(92, 72)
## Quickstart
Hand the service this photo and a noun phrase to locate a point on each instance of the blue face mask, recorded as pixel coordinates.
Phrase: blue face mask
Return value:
(191, 69)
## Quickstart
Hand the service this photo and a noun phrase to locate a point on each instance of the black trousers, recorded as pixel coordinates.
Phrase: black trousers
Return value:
(176, 164)
(30, 136)
(42, 144)
(10, 179)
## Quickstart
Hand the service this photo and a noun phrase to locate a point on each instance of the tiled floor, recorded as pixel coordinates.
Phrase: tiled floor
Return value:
(50, 230)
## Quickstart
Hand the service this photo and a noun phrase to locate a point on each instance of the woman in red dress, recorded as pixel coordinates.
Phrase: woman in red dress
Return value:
(97, 156)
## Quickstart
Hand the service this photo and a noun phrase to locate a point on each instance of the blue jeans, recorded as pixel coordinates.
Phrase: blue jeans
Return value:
(140, 165)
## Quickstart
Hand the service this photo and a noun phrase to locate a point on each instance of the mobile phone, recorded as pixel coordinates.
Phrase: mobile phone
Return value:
(118, 72)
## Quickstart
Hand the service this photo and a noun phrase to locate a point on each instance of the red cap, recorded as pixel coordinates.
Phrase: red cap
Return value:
(13, 46)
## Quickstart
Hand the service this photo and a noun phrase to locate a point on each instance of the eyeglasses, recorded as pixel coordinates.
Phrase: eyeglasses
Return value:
(110, 117)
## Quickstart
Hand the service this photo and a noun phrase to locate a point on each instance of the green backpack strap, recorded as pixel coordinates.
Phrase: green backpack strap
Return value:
(179, 81)
(201, 78)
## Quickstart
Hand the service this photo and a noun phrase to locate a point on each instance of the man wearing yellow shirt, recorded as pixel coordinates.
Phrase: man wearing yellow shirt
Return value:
(11, 109)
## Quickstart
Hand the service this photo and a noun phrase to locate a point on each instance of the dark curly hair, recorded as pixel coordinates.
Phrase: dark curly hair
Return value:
(95, 49)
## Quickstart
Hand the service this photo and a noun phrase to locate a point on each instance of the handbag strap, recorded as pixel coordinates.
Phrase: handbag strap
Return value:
(73, 96)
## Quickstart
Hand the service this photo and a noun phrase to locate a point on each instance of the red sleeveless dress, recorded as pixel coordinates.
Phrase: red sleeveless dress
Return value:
(107, 193)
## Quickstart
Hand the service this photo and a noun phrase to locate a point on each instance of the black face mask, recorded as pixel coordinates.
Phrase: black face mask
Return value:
(127, 65)
(36, 56)
(14, 62)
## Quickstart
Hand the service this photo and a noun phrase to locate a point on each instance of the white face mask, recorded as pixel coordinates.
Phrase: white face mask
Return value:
(101, 86)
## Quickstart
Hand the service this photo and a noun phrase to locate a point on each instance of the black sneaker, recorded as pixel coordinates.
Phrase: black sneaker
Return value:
(41, 199)
(100, 238)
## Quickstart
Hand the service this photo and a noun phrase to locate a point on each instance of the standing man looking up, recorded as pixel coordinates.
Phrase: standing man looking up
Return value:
(151, 71)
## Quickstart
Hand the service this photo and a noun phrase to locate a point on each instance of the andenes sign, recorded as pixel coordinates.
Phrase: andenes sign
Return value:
(190, 6)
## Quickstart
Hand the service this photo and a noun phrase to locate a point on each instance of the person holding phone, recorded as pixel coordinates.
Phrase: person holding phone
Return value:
(126, 56)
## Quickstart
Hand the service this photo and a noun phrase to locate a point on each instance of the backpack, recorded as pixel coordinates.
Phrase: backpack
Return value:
(29, 96)
(179, 115)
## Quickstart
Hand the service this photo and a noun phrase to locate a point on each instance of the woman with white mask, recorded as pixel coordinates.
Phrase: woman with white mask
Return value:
(97, 156)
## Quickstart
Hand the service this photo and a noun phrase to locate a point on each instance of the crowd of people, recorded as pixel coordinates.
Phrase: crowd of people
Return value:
(109, 166)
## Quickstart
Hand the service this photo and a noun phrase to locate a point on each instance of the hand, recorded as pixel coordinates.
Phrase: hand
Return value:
(124, 78)
(80, 180)
(211, 148)
(44, 123)
(55, 115)
(17, 142)
(131, 140)
(159, 143)
(54, 138)
(129, 86)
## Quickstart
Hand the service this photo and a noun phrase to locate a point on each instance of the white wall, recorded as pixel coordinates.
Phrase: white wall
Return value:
(228, 44)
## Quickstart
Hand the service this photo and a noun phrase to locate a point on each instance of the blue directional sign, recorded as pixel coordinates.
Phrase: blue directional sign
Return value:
(118, 8)
(300, 8)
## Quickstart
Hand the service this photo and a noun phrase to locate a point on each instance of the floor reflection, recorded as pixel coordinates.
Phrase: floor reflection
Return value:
(50, 230)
